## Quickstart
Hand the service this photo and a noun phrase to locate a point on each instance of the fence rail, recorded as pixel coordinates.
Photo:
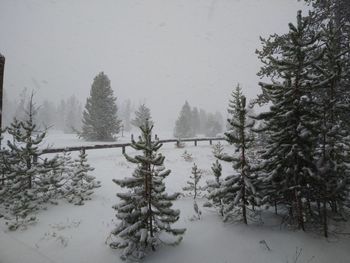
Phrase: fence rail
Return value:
(124, 145)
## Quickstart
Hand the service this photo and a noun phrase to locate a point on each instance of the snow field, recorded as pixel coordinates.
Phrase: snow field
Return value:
(74, 234)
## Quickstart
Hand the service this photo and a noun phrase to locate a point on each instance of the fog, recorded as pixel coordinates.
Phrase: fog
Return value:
(160, 52)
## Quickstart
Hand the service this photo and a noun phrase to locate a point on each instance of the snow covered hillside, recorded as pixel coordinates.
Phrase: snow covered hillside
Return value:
(73, 234)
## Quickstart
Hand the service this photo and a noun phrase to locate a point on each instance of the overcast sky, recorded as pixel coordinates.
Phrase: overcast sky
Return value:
(158, 51)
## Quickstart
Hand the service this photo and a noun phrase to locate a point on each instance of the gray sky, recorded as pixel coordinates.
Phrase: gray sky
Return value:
(158, 51)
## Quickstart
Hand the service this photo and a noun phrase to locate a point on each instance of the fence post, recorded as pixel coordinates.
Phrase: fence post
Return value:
(195, 142)
(210, 142)
(123, 149)
(2, 66)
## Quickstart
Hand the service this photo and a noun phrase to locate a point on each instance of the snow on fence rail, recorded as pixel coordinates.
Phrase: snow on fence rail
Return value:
(124, 145)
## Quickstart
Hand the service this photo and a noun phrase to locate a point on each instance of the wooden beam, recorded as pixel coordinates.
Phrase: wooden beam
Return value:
(2, 67)
(123, 145)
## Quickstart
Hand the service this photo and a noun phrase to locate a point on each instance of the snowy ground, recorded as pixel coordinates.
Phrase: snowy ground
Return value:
(73, 234)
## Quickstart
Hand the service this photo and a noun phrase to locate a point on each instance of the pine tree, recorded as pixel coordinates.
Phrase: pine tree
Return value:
(183, 125)
(203, 121)
(213, 125)
(145, 210)
(46, 114)
(195, 121)
(141, 116)
(216, 184)
(238, 190)
(24, 187)
(82, 184)
(194, 189)
(331, 154)
(72, 119)
(126, 115)
(193, 186)
(100, 119)
(288, 155)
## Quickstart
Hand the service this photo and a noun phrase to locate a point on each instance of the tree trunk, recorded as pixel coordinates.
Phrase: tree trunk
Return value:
(276, 207)
(299, 211)
(325, 223)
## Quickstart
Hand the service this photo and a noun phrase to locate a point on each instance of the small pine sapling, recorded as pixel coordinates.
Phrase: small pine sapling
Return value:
(218, 149)
(82, 184)
(194, 189)
(187, 156)
(214, 185)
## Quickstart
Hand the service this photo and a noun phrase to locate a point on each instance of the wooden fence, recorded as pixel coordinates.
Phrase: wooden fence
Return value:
(124, 145)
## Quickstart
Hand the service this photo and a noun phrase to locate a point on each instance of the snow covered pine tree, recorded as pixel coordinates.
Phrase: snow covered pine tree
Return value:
(26, 184)
(183, 125)
(100, 119)
(142, 114)
(145, 210)
(239, 189)
(288, 156)
(81, 183)
(194, 189)
(213, 185)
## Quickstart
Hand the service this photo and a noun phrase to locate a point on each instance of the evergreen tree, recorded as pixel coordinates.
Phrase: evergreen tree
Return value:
(24, 189)
(126, 115)
(203, 121)
(73, 114)
(195, 189)
(331, 154)
(288, 155)
(145, 210)
(214, 185)
(183, 125)
(61, 114)
(100, 119)
(193, 185)
(81, 183)
(141, 116)
(213, 125)
(196, 125)
(238, 189)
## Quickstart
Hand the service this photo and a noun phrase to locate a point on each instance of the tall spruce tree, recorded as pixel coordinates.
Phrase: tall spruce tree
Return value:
(100, 119)
(288, 155)
(331, 154)
(145, 209)
(196, 123)
(183, 125)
